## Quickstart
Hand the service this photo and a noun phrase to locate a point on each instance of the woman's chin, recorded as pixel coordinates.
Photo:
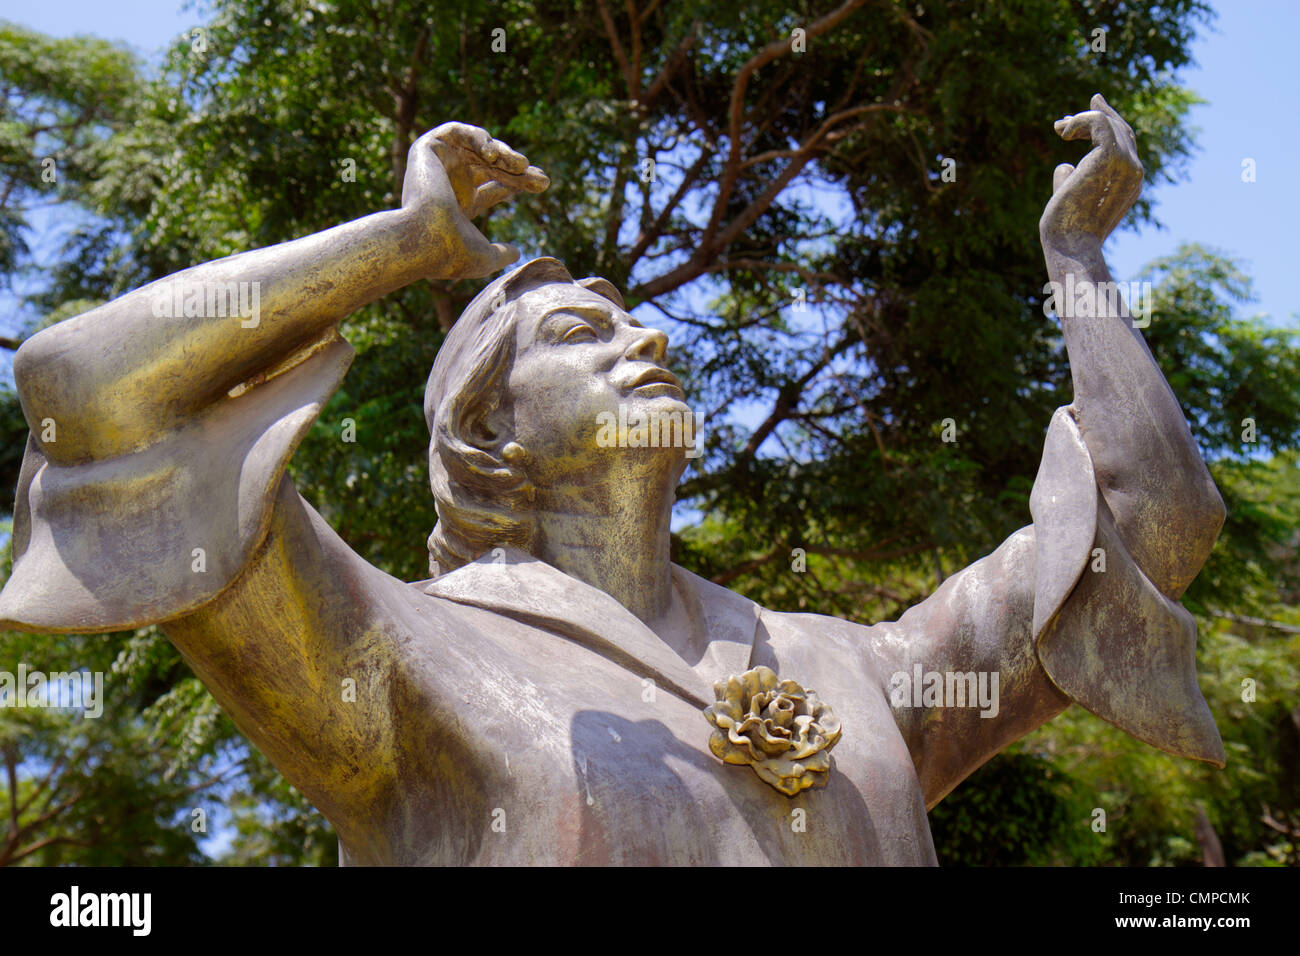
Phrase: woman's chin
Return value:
(652, 417)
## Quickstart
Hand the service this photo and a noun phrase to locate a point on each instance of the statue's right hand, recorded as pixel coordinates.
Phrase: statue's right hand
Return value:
(455, 173)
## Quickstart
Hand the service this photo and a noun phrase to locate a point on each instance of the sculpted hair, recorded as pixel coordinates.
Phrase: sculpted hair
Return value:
(482, 499)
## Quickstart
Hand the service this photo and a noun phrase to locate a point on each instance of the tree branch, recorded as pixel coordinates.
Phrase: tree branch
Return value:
(855, 554)
(616, 47)
(1257, 622)
(405, 101)
(712, 242)
(11, 771)
(648, 236)
(787, 399)
(11, 859)
(736, 110)
(671, 66)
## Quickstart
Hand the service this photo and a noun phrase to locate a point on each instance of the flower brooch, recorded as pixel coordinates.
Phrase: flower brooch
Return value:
(781, 730)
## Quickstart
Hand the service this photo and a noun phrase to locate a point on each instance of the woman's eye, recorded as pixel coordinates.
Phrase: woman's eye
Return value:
(578, 333)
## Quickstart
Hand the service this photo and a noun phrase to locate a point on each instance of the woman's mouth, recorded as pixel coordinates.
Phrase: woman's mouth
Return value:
(656, 379)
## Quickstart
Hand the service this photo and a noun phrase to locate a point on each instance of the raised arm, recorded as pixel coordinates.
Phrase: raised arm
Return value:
(160, 494)
(116, 377)
(1081, 606)
(160, 439)
(1159, 492)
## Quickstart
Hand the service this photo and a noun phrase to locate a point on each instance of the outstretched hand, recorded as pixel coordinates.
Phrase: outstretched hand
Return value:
(1088, 201)
(455, 173)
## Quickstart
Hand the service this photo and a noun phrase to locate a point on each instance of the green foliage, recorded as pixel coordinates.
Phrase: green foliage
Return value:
(1018, 810)
(1151, 799)
(63, 100)
(108, 790)
(274, 825)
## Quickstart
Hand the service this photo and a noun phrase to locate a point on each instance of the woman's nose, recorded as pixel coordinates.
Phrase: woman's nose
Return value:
(648, 344)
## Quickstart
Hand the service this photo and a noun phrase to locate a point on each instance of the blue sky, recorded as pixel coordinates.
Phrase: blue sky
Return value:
(1247, 72)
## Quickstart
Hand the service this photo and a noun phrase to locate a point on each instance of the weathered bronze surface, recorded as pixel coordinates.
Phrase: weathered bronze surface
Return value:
(540, 698)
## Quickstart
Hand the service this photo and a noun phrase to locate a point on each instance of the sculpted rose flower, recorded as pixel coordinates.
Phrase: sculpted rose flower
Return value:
(781, 730)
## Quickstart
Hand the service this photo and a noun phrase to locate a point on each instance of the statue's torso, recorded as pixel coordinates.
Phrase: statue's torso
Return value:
(521, 746)
(514, 715)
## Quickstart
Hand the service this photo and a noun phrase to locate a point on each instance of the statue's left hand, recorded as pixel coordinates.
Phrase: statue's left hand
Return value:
(455, 173)
(1089, 200)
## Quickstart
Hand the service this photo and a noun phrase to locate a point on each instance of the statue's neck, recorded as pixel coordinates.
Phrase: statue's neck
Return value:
(615, 537)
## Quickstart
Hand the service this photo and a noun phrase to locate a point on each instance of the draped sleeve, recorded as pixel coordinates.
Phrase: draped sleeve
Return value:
(1060, 612)
(150, 535)
(1105, 634)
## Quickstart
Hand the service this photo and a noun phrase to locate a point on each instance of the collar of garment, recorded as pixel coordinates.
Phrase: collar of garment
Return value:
(509, 582)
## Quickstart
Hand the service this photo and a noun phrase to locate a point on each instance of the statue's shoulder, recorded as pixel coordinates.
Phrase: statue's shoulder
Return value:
(789, 633)
(713, 593)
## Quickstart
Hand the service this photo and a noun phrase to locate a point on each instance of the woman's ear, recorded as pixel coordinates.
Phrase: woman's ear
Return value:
(489, 433)
(494, 428)
(484, 427)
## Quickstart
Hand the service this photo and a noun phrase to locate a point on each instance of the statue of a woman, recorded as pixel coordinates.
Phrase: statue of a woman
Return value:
(559, 691)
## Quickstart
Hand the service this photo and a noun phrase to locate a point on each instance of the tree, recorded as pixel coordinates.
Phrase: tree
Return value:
(117, 783)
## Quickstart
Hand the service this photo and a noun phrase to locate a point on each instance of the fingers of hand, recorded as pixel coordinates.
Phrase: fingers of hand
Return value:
(488, 195)
(1088, 124)
(510, 166)
(495, 186)
(1060, 175)
(1098, 103)
(1118, 122)
(533, 180)
(505, 254)
(501, 155)
(482, 148)
(459, 134)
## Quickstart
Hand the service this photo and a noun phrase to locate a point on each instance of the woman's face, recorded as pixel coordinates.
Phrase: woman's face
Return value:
(578, 358)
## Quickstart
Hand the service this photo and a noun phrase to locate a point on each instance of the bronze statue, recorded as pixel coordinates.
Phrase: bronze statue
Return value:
(559, 692)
